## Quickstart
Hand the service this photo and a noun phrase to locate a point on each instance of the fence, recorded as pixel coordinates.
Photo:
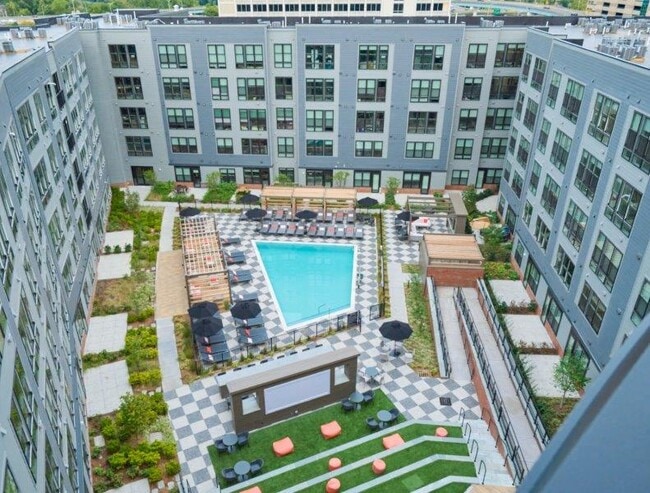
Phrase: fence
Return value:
(444, 362)
(518, 377)
(512, 447)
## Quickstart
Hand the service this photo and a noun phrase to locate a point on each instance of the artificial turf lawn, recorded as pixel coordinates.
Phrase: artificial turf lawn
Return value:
(454, 488)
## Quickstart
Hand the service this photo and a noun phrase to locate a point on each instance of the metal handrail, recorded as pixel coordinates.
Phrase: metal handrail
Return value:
(467, 425)
(474, 442)
(478, 472)
(441, 330)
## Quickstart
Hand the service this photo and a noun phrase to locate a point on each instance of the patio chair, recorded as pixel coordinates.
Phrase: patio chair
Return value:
(254, 336)
(330, 232)
(340, 232)
(256, 466)
(221, 448)
(347, 405)
(372, 423)
(244, 297)
(249, 322)
(339, 217)
(235, 240)
(368, 396)
(219, 337)
(228, 473)
(274, 228)
(240, 276)
(329, 217)
(349, 232)
(235, 258)
(395, 413)
(278, 215)
(321, 231)
(313, 229)
(291, 229)
(358, 233)
(351, 217)
(301, 230)
(242, 439)
(282, 229)
(264, 229)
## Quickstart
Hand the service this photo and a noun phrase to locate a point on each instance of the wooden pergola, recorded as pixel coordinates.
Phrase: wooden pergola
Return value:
(206, 273)
(451, 206)
(313, 198)
(451, 259)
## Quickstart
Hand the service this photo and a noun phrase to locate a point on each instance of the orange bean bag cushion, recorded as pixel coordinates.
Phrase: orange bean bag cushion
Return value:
(334, 463)
(330, 430)
(333, 486)
(392, 441)
(254, 489)
(378, 467)
(283, 447)
(441, 432)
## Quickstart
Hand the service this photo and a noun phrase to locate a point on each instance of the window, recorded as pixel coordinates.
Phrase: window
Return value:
(368, 148)
(517, 183)
(542, 233)
(123, 56)
(250, 89)
(603, 119)
(138, 146)
(308, 7)
(539, 69)
(283, 88)
(370, 121)
(256, 175)
(227, 175)
(490, 176)
(553, 89)
(320, 120)
(285, 147)
(476, 55)
(428, 57)
(531, 114)
(494, 147)
(320, 148)
(184, 145)
(467, 119)
(459, 177)
(43, 183)
(288, 173)
(216, 56)
(519, 105)
(134, 118)
(219, 86)
(623, 205)
(575, 223)
(222, 119)
(282, 55)
(373, 57)
(588, 174)
(422, 7)
(27, 126)
(637, 143)
(128, 88)
(425, 91)
(412, 180)
(525, 70)
(592, 308)
(550, 195)
(249, 56)
(180, 118)
(640, 309)
(509, 54)
(504, 87)
(564, 266)
(254, 146)
(523, 151)
(224, 146)
(419, 150)
(371, 90)
(422, 122)
(527, 213)
(284, 118)
(531, 275)
(519, 253)
(498, 118)
(398, 8)
(551, 312)
(172, 56)
(463, 149)
(560, 150)
(605, 261)
(23, 416)
(363, 178)
(572, 100)
(319, 90)
(177, 88)
(472, 88)
(254, 120)
(543, 135)
(319, 57)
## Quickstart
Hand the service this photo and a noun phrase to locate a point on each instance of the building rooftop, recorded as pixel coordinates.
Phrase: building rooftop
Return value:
(452, 248)
(17, 43)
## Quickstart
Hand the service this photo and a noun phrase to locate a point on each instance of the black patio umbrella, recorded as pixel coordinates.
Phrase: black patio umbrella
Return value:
(256, 214)
(367, 202)
(306, 214)
(207, 327)
(249, 198)
(245, 310)
(189, 212)
(204, 309)
(395, 331)
(406, 216)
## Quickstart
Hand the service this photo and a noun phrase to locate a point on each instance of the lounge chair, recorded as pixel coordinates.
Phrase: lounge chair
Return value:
(347, 405)
(350, 217)
(339, 216)
(208, 341)
(235, 258)
(242, 439)
(320, 217)
(214, 349)
(244, 297)
(253, 336)
(372, 423)
(329, 217)
(291, 229)
(278, 215)
(282, 229)
(321, 231)
(265, 228)
(273, 229)
(313, 229)
(330, 232)
(349, 232)
(301, 230)
(249, 322)
(240, 276)
(235, 240)
(340, 232)
(228, 473)
(288, 215)
(215, 358)
(358, 233)
(256, 466)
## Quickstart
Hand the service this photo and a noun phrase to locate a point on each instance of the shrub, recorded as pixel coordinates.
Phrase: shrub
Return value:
(135, 414)
(158, 403)
(108, 428)
(127, 247)
(96, 452)
(154, 474)
(163, 188)
(165, 449)
(172, 468)
(147, 377)
(117, 249)
(212, 180)
(131, 202)
(108, 250)
(113, 446)
(221, 194)
(117, 460)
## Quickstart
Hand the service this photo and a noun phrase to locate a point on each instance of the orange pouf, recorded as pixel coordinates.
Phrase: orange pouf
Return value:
(392, 441)
(254, 489)
(378, 467)
(334, 463)
(441, 432)
(330, 430)
(333, 486)
(283, 447)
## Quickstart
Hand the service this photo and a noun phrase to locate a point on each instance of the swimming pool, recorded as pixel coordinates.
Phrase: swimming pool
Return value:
(308, 281)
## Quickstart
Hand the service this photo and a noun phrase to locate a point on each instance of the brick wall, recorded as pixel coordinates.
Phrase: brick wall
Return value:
(455, 276)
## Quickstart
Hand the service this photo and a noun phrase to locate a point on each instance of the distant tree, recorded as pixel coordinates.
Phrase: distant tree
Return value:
(211, 11)
(570, 375)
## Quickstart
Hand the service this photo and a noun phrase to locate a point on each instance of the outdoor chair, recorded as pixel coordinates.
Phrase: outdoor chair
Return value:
(329, 217)
(358, 233)
(368, 396)
(301, 230)
(330, 232)
(249, 322)
(235, 258)
(242, 439)
(265, 228)
(219, 337)
(340, 232)
(274, 228)
(254, 336)
(228, 473)
(340, 215)
(351, 217)
(395, 413)
(321, 231)
(256, 466)
(347, 405)
(221, 448)
(349, 232)
(291, 229)
(235, 240)
(372, 423)
(313, 229)
(282, 229)
(244, 297)
(240, 276)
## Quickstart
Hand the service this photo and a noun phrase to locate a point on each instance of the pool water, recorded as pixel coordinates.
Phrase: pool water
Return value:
(308, 281)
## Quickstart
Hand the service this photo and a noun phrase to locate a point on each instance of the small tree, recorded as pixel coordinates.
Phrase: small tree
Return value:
(149, 177)
(213, 179)
(131, 202)
(135, 415)
(211, 11)
(283, 179)
(391, 189)
(570, 375)
(340, 177)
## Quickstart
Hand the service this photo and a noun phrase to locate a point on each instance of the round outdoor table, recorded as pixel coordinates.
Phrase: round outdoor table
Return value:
(372, 372)
(242, 468)
(384, 418)
(230, 440)
(356, 398)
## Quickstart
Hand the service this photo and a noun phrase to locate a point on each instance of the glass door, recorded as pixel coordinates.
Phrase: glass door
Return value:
(376, 181)
(424, 183)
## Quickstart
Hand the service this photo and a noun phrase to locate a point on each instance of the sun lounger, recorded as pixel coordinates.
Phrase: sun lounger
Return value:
(278, 215)
(320, 217)
(340, 215)
(330, 232)
(215, 349)
(219, 337)
(282, 229)
(235, 257)
(291, 229)
(301, 230)
(358, 233)
(321, 231)
(265, 228)
(350, 217)
(349, 232)
(236, 240)
(240, 276)
(253, 336)
(340, 232)
(211, 358)
(313, 229)
(329, 217)
(288, 216)
(249, 322)
(244, 297)
(274, 228)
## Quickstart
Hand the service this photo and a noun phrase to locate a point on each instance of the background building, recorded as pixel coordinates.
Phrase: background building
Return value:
(53, 202)
(625, 8)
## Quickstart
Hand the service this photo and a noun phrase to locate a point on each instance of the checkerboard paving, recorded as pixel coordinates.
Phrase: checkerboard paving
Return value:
(406, 252)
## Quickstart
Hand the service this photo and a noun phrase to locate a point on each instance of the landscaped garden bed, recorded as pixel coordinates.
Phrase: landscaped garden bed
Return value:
(421, 342)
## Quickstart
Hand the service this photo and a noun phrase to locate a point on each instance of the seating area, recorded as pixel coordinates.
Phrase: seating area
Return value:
(283, 447)
(312, 229)
(330, 430)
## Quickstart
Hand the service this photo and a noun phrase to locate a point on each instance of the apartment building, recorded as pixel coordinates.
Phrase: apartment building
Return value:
(622, 8)
(575, 191)
(53, 203)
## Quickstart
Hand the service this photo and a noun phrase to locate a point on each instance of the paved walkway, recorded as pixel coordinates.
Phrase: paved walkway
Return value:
(166, 231)
(168, 355)
(530, 448)
(459, 366)
(396, 281)
(171, 295)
